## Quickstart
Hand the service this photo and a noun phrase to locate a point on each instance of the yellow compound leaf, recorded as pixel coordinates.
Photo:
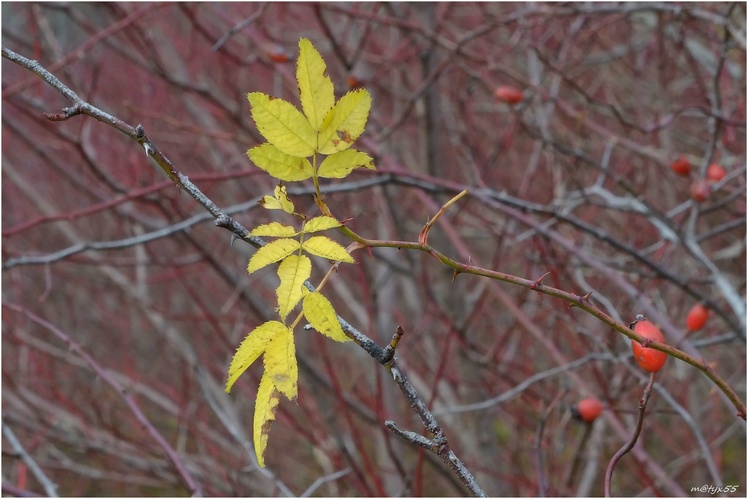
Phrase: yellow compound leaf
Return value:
(265, 406)
(326, 248)
(272, 252)
(320, 314)
(345, 122)
(280, 165)
(315, 87)
(340, 164)
(251, 348)
(280, 364)
(320, 223)
(274, 229)
(293, 271)
(282, 125)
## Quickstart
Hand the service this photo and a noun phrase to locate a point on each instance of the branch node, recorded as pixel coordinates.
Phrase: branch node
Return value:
(67, 113)
(389, 351)
(411, 436)
(423, 237)
(223, 220)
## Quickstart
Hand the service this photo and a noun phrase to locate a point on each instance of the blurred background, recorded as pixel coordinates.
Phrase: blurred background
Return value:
(585, 132)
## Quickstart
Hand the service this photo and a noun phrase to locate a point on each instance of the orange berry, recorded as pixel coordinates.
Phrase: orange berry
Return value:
(509, 95)
(697, 316)
(588, 410)
(649, 359)
(277, 53)
(681, 166)
(715, 172)
(354, 82)
(700, 190)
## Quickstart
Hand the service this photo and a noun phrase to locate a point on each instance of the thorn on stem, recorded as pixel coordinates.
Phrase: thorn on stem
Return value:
(707, 367)
(534, 284)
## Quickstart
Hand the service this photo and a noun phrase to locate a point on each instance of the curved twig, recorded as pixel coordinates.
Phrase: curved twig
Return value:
(634, 437)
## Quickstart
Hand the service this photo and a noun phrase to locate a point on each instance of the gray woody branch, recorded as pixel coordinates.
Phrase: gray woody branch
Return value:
(438, 444)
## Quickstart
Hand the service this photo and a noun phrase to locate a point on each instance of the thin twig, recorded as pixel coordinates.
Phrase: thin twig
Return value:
(49, 488)
(323, 480)
(124, 394)
(248, 21)
(438, 443)
(634, 437)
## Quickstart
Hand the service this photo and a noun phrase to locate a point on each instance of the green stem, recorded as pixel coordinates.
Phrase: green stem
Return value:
(581, 302)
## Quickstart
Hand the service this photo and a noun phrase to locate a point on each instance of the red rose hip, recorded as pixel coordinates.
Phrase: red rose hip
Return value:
(588, 410)
(649, 359)
(700, 190)
(509, 95)
(697, 316)
(681, 166)
(715, 172)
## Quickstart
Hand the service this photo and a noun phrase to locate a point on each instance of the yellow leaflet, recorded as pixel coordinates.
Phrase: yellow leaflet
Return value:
(274, 229)
(251, 348)
(265, 407)
(282, 125)
(270, 203)
(280, 165)
(320, 314)
(293, 271)
(345, 122)
(282, 197)
(315, 87)
(271, 253)
(322, 222)
(280, 364)
(326, 248)
(341, 163)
